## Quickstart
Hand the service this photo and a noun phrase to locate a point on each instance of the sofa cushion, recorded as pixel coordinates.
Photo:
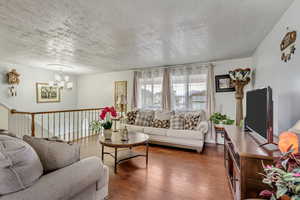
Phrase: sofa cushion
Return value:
(187, 134)
(191, 121)
(144, 118)
(156, 123)
(133, 128)
(131, 116)
(20, 165)
(155, 131)
(177, 122)
(54, 154)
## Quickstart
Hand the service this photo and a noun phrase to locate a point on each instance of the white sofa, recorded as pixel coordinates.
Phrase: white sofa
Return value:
(191, 139)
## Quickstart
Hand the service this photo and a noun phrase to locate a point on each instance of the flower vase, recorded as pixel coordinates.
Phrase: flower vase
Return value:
(107, 134)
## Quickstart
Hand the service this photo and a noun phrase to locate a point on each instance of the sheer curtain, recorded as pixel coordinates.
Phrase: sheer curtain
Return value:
(188, 85)
(149, 87)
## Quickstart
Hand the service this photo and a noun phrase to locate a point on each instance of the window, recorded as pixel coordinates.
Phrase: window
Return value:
(150, 90)
(188, 90)
(186, 87)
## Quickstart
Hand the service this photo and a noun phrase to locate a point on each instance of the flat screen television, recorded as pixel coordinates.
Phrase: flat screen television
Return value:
(259, 113)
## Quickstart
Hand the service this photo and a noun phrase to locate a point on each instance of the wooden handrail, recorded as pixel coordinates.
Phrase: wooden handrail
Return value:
(56, 111)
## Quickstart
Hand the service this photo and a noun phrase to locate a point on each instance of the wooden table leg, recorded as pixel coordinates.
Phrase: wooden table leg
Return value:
(102, 153)
(116, 159)
(147, 153)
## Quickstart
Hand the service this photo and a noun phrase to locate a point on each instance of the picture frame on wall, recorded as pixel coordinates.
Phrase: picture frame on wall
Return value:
(120, 93)
(47, 94)
(224, 83)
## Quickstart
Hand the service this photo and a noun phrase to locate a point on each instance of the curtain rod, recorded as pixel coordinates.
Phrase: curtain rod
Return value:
(170, 66)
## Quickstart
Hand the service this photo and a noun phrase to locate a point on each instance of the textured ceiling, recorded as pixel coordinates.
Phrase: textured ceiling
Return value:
(110, 35)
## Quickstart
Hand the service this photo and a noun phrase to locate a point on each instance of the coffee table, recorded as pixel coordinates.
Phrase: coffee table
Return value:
(135, 139)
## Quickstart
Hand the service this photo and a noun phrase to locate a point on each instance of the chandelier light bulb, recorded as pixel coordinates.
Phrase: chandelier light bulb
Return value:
(57, 77)
(67, 78)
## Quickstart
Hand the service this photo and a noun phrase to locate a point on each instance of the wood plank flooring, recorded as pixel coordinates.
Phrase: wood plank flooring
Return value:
(172, 174)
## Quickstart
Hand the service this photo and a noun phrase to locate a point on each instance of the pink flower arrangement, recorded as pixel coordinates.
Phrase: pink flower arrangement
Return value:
(110, 110)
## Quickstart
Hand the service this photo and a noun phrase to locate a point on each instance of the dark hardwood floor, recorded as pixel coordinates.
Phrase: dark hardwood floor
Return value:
(172, 174)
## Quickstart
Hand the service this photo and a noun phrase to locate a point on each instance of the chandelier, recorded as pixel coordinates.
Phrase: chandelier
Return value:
(60, 79)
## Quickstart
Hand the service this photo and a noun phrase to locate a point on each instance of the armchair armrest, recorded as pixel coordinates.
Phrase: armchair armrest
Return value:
(63, 183)
(203, 127)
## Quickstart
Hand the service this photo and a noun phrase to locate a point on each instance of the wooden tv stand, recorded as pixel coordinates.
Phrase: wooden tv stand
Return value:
(243, 158)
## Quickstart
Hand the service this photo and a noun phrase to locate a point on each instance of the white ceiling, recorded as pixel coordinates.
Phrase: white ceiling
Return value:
(110, 35)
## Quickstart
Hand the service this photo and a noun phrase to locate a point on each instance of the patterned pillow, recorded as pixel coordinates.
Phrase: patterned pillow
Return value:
(131, 116)
(144, 118)
(191, 121)
(177, 122)
(156, 123)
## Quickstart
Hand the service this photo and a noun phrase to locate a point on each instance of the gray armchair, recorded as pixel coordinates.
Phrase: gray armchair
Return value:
(83, 180)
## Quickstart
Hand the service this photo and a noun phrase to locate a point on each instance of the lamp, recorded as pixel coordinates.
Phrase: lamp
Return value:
(288, 140)
(122, 102)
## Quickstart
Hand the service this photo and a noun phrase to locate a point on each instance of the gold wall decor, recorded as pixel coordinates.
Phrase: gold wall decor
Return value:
(47, 94)
(288, 46)
(120, 93)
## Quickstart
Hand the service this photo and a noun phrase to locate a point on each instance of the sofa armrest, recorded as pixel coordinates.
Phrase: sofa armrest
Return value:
(63, 183)
(203, 127)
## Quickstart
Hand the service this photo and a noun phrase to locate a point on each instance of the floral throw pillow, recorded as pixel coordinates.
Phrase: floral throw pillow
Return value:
(177, 122)
(131, 116)
(191, 121)
(156, 123)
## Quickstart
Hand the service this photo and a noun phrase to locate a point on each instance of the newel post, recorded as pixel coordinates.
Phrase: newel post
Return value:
(32, 124)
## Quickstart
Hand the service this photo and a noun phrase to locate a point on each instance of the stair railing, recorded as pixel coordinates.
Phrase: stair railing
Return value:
(69, 125)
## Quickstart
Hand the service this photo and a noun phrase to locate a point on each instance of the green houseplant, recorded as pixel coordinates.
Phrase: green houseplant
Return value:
(220, 119)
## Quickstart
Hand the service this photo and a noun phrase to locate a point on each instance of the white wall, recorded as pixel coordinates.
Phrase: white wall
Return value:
(26, 98)
(97, 90)
(284, 78)
(225, 101)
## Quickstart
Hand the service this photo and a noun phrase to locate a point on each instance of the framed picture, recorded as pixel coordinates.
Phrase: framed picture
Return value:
(120, 93)
(224, 83)
(47, 94)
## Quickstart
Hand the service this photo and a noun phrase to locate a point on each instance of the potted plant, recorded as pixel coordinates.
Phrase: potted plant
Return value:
(220, 120)
(105, 121)
(283, 178)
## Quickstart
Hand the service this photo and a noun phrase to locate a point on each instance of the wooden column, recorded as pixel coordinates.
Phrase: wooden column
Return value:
(239, 95)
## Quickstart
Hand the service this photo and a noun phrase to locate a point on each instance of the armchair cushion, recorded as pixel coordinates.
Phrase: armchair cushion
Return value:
(54, 154)
(20, 166)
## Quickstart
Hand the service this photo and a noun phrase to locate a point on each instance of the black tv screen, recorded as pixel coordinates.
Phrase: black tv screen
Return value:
(259, 116)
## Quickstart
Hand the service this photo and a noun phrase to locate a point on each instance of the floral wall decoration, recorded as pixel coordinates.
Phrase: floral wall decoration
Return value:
(288, 46)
